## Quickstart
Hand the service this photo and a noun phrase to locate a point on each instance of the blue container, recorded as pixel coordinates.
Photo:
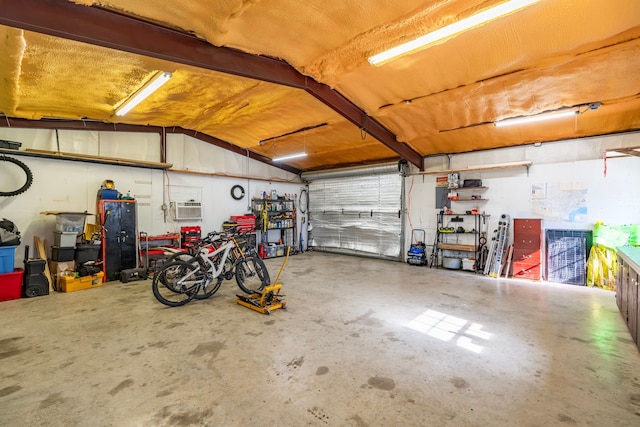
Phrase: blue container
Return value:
(107, 194)
(7, 258)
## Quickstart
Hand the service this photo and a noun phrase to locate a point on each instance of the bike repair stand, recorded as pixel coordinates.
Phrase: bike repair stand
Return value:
(269, 299)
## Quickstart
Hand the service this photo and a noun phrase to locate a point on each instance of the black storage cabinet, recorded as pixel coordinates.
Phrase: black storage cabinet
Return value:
(119, 240)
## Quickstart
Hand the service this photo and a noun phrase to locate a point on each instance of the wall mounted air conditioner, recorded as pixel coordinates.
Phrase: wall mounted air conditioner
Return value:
(186, 210)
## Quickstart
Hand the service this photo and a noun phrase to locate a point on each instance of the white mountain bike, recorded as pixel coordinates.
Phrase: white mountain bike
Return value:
(179, 282)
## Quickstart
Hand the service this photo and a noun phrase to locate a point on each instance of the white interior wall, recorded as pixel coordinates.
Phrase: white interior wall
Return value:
(612, 199)
(71, 186)
(63, 185)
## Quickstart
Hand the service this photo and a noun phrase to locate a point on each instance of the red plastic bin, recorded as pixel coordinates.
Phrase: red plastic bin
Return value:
(11, 285)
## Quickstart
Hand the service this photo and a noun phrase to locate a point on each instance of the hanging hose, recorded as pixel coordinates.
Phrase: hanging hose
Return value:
(25, 169)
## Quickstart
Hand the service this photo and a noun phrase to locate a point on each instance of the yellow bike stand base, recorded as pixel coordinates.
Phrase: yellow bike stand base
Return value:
(269, 299)
(265, 302)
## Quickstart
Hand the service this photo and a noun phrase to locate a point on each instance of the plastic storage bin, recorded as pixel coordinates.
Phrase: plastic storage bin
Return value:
(65, 239)
(11, 285)
(7, 258)
(469, 264)
(85, 253)
(70, 222)
(62, 254)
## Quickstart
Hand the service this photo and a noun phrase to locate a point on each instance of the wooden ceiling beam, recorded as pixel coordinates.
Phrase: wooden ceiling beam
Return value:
(101, 27)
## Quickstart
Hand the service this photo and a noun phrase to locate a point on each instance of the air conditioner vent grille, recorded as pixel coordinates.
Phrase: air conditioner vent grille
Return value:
(186, 210)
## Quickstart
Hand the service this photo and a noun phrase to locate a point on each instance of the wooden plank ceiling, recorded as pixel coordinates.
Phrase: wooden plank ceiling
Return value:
(277, 77)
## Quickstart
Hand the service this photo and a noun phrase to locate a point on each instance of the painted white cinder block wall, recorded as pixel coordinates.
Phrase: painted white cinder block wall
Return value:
(71, 186)
(613, 199)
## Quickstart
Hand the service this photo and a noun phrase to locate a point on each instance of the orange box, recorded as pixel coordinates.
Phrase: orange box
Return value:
(70, 283)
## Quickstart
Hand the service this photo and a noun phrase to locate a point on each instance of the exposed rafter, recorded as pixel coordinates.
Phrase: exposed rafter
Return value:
(105, 28)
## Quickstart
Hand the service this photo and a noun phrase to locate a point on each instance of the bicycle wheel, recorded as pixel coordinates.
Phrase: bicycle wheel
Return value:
(177, 283)
(251, 274)
(180, 256)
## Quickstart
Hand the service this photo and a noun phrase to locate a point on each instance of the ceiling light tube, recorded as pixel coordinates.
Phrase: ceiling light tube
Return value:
(290, 156)
(143, 93)
(449, 30)
(536, 118)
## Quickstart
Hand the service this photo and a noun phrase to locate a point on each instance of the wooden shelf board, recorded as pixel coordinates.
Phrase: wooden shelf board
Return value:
(480, 168)
(457, 247)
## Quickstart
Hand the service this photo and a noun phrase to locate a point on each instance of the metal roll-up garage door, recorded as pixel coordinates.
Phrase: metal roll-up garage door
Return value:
(358, 210)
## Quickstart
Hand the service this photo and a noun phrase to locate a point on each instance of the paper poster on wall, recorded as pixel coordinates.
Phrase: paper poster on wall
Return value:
(565, 201)
(538, 191)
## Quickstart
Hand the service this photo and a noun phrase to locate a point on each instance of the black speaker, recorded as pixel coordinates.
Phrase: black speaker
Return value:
(35, 286)
(34, 282)
(33, 266)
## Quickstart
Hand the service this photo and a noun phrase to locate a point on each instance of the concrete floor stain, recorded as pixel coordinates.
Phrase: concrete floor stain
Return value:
(124, 384)
(52, 399)
(9, 390)
(566, 419)
(183, 419)
(322, 370)
(208, 348)
(296, 363)
(382, 383)
(459, 383)
(174, 325)
(359, 421)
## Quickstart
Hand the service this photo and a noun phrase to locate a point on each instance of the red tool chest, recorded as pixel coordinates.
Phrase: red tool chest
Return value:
(527, 248)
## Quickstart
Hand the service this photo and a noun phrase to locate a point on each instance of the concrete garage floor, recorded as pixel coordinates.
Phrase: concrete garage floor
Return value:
(362, 343)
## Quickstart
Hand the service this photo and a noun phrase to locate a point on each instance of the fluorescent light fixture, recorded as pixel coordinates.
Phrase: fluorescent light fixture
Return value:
(143, 93)
(536, 118)
(290, 156)
(449, 30)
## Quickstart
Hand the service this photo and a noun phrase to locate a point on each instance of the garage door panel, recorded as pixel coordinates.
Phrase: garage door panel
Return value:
(359, 215)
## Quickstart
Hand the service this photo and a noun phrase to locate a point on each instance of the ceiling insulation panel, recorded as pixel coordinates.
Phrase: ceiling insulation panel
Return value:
(440, 99)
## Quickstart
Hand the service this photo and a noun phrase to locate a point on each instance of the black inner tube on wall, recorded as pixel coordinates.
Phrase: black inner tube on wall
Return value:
(237, 192)
(25, 169)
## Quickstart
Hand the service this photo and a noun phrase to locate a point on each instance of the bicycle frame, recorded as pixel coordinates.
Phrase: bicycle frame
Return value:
(230, 246)
(200, 276)
(209, 257)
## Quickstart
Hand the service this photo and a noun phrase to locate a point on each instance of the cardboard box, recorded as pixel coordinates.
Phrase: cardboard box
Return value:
(71, 284)
(61, 268)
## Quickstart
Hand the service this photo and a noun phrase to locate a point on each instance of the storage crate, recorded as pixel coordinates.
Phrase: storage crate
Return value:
(69, 222)
(7, 258)
(62, 254)
(85, 253)
(11, 285)
(65, 239)
(92, 232)
(71, 284)
(272, 251)
(469, 264)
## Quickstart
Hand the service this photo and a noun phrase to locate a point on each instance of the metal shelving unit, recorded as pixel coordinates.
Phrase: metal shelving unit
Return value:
(276, 220)
(455, 239)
